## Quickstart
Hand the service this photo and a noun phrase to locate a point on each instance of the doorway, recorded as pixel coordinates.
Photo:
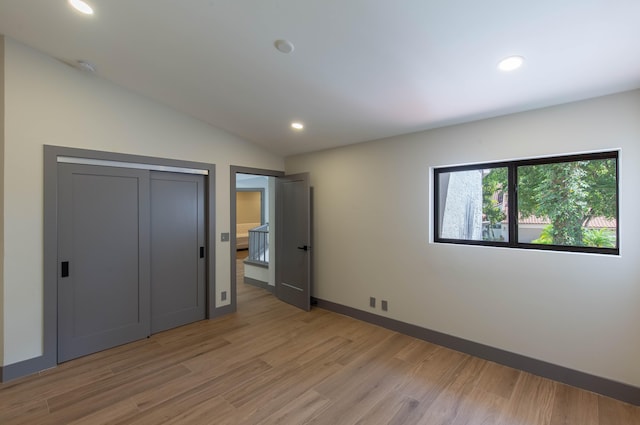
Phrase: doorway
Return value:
(246, 179)
(252, 229)
(288, 230)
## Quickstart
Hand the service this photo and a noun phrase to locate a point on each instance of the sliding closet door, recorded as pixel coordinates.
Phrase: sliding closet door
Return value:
(178, 262)
(103, 258)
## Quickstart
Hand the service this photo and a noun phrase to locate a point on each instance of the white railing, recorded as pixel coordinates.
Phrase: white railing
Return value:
(259, 244)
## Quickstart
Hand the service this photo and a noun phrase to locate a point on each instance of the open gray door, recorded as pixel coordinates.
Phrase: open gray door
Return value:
(293, 241)
(103, 246)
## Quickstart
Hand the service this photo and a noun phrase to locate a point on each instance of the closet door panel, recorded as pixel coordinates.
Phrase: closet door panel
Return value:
(177, 250)
(103, 256)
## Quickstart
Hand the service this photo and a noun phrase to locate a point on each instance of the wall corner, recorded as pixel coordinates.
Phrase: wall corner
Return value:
(2, 136)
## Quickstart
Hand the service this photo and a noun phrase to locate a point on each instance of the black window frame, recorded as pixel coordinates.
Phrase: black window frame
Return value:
(512, 193)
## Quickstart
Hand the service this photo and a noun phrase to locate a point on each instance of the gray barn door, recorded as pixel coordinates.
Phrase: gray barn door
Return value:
(103, 253)
(177, 250)
(293, 242)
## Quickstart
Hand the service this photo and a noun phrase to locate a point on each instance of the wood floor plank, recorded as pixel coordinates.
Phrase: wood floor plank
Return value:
(417, 351)
(164, 358)
(215, 411)
(574, 407)
(613, 412)
(27, 412)
(277, 383)
(498, 379)
(84, 401)
(480, 407)
(109, 414)
(47, 386)
(155, 410)
(298, 411)
(531, 403)
(432, 376)
(411, 412)
(270, 363)
(379, 356)
(393, 405)
(285, 392)
(449, 402)
(366, 392)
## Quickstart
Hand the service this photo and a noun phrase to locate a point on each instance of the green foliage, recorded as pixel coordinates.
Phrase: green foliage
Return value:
(601, 238)
(570, 194)
(546, 236)
(493, 182)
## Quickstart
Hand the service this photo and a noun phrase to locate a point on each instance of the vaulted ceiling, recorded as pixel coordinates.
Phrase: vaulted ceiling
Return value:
(360, 69)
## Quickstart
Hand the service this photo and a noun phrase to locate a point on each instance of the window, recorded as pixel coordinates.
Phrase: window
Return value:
(567, 203)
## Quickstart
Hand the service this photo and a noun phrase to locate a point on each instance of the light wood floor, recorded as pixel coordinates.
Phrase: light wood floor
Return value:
(273, 364)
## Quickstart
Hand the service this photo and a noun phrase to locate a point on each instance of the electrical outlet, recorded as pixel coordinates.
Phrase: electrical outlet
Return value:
(223, 296)
(372, 302)
(384, 305)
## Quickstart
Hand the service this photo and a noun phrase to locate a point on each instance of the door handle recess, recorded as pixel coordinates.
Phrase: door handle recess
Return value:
(64, 269)
(304, 248)
(201, 252)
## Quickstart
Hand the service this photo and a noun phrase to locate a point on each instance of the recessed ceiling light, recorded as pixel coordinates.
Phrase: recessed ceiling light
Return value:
(81, 7)
(297, 125)
(284, 46)
(511, 63)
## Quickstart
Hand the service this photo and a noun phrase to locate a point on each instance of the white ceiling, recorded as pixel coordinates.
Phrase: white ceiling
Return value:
(361, 69)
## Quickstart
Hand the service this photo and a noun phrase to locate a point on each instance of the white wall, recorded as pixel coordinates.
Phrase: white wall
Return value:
(372, 232)
(256, 273)
(47, 102)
